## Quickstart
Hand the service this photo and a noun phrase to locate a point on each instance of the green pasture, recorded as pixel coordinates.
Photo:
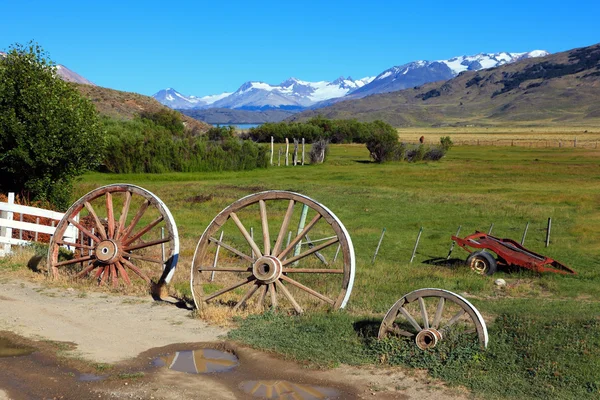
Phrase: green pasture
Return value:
(544, 338)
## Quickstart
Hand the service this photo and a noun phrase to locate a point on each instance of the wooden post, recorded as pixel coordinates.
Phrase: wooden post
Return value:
(302, 151)
(491, 227)
(452, 245)
(295, 157)
(548, 232)
(279, 160)
(212, 274)
(416, 245)
(287, 151)
(21, 230)
(319, 255)
(378, 245)
(8, 231)
(301, 224)
(37, 222)
(272, 150)
(524, 233)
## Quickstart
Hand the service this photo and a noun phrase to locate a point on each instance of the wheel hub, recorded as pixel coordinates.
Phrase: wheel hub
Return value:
(428, 338)
(267, 269)
(107, 251)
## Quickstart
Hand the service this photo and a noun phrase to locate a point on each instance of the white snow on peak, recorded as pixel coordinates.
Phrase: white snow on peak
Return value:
(169, 97)
(215, 97)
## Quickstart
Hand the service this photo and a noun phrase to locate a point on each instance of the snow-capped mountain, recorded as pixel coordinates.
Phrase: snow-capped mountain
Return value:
(417, 73)
(290, 94)
(66, 74)
(172, 98)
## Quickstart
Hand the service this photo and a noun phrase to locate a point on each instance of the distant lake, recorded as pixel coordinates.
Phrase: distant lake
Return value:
(240, 127)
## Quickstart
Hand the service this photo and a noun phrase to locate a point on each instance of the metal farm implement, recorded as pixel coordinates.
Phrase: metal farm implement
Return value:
(508, 252)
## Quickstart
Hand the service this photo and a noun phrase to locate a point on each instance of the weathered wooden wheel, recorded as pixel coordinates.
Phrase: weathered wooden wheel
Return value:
(411, 317)
(109, 247)
(301, 257)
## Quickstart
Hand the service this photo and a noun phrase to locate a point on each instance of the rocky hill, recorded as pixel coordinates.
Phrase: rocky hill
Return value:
(559, 89)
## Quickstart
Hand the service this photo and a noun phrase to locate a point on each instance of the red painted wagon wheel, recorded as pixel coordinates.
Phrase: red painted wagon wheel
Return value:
(427, 315)
(301, 257)
(113, 233)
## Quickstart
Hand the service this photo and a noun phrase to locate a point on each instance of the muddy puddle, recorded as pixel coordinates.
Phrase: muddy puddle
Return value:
(37, 370)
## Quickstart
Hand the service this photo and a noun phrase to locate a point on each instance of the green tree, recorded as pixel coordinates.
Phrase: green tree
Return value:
(49, 133)
(383, 142)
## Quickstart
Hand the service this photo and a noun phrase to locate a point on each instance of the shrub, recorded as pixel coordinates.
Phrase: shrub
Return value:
(49, 133)
(383, 143)
(319, 151)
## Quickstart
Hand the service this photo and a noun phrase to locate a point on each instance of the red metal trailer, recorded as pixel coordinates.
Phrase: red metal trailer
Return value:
(508, 252)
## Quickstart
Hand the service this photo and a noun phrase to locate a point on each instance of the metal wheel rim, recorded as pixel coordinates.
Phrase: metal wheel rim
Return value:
(122, 234)
(277, 288)
(479, 266)
(388, 327)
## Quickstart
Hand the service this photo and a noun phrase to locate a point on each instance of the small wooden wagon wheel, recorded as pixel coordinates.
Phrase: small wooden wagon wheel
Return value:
(114, 231)
(299, 256)
(427, 315)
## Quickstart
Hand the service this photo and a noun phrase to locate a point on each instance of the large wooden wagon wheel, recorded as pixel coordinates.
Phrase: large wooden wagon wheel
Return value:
(116, 232)
(274, 249)
(427, 315)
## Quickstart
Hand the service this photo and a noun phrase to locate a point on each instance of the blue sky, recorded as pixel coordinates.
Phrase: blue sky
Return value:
(202, 48)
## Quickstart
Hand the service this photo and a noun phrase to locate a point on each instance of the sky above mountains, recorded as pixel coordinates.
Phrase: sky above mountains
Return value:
(202, 48)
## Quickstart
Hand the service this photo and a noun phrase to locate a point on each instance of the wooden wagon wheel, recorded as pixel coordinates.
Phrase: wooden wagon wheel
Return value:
(113, 231)
(411, 317)
(302, 256)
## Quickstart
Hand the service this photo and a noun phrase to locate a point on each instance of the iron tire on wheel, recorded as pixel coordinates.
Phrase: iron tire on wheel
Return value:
(482, 263)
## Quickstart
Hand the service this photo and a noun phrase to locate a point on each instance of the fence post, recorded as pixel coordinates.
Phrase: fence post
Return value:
(287, 151)
(548, 232)
(302, 151)
(416, 245)
(378, 245)
(295, 157)
(279, 160)
(491, 227)
(212, 274)
(7, 232)
(271, 150)
(452, 245)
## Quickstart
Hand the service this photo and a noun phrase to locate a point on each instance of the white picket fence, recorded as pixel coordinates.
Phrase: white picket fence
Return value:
(8, 224)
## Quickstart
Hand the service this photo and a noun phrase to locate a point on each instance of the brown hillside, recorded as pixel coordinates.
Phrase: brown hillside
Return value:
(560, 89)
(127, 105)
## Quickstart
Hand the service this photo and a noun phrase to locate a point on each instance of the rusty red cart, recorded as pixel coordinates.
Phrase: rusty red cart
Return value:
(508, 252)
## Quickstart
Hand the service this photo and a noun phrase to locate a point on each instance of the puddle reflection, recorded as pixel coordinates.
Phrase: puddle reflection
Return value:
(199, 361)
(9, 349)
(287, 390)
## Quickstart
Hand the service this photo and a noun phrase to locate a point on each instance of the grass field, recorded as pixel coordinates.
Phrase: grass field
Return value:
(544, 329)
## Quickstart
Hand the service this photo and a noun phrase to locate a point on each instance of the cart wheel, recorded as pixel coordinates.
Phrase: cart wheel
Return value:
(410, 317)
(482, 263)
(301, 256)
(109, 247)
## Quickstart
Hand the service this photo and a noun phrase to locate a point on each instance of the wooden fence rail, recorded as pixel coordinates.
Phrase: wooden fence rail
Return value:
(8, 224)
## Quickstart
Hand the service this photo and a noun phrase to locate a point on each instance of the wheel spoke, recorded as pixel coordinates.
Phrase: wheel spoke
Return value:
(410, 319)
(397, 331)
(424, 315)
(75, 261)
(232, 249)
(87, 270)
(297, 239)
(246, 296)
(105, 275)
(137, 218)
(78, 245)
(246, 235)
(310, 251)
(84, 230)
(265, 227)
(284, 227)
(99, 225)
(308, 290)
(312, 271)
(224, 269)
(135, 269)
(438, 313)
(273, 295)
(143, 231)
(124, 212)
(123, 273)
(454, 319)
(110, 215)
(143, 258)
(289, 296)
(227, 289)
(261, 298)
(147, 244)
(113, 274)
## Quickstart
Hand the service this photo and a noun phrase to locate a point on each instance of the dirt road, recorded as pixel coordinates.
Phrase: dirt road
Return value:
(97, 345)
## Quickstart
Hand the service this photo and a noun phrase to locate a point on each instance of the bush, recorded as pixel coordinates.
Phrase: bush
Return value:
(319, 151)
(383, 143)
(49, 133)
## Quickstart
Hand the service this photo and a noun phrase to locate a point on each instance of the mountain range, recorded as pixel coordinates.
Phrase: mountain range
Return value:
(294, 95)
(559, 89)
(66, 74)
